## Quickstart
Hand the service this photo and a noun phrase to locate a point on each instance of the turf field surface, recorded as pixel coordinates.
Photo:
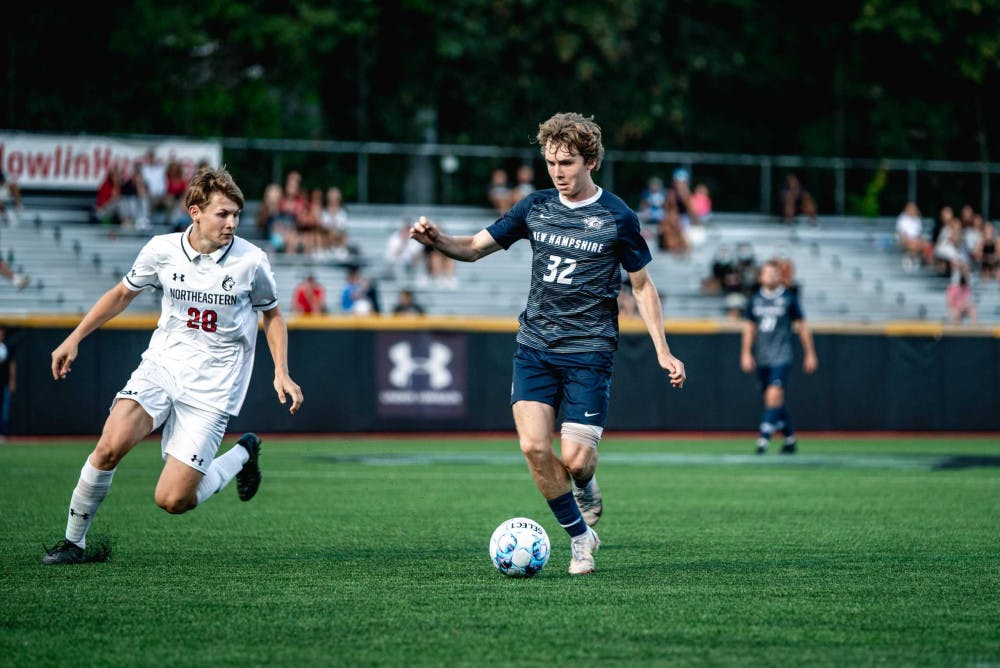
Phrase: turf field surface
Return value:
(373, 551)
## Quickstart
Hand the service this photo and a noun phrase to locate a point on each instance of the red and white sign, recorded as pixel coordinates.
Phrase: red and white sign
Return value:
(81, 162)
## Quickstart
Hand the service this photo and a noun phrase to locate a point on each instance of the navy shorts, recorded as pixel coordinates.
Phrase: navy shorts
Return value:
(773, 375)
(578, 383)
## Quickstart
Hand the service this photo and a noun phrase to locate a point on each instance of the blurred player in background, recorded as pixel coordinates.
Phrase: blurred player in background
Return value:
(580, 235)
(772, 313)
(196, 370)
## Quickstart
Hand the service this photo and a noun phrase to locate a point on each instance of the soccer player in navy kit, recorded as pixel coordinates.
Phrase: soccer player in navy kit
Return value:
(771, 314)
(580, 235)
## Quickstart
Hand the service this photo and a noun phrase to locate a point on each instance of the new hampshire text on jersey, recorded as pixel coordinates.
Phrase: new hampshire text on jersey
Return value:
(567, 242)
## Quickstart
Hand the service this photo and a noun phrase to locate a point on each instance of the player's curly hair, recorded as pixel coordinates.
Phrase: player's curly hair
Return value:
(208, 181)
(578, 133)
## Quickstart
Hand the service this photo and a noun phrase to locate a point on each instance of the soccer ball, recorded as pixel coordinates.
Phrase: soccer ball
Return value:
(519, 547)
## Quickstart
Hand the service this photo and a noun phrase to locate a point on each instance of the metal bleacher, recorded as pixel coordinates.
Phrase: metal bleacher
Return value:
(849, 269)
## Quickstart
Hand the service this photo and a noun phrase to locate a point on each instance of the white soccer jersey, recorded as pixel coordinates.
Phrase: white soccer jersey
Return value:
(207, 331)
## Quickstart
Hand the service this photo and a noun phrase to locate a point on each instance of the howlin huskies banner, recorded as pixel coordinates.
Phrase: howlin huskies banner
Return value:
(81, 162)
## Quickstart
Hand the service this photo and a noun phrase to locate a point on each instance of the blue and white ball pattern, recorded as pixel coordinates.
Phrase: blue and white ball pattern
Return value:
(519, 547)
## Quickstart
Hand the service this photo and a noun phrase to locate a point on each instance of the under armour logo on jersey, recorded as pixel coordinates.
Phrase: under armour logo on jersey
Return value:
(197, 460)
(435, 365)
(73, 513)
(179, 277)
(228, 283)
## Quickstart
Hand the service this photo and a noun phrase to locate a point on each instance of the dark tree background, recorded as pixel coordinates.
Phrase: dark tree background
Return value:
(854, 78)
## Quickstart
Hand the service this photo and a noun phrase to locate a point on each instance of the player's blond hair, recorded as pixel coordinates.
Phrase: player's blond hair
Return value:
(574, 132)
(208, 181)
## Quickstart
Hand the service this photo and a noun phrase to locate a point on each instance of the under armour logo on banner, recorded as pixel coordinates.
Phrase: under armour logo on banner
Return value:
(179, 277)
(405, 365)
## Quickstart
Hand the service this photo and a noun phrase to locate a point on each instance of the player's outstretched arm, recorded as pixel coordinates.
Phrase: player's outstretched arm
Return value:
(647, 300)
(809, 360)
(463, 248)
(113, 302)
(746, 346)
(276, 333)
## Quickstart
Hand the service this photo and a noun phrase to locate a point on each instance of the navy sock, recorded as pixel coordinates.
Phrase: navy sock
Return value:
(568, 514)
(787, 424)
(768, 422)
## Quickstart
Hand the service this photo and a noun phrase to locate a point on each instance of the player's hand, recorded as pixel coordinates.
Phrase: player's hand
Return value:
(675, 368)
(288, 388)
(746, 362)
(424, 231)
(810, 363)
(63, 358)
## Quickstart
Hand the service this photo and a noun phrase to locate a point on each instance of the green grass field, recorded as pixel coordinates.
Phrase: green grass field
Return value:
(374, 552)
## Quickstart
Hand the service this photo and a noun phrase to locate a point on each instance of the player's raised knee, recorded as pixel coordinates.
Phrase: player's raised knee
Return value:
(175, 504)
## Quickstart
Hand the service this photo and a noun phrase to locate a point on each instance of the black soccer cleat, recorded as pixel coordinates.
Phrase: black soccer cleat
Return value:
(248, 479)
(64, 552)
(789, 448)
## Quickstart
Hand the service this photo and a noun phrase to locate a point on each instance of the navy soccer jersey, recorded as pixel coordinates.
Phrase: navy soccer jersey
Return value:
(773, 312)
(577, 248)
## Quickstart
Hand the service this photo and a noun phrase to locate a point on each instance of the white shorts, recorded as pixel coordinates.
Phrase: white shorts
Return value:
(190, 434)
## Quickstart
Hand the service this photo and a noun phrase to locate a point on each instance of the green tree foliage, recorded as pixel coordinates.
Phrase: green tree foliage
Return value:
(873, 78)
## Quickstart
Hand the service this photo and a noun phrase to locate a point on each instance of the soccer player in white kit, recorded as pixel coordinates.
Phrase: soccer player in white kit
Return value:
(196, 370)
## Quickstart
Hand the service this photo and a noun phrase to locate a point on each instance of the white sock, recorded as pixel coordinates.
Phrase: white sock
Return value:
(91, 489)
(222, 470)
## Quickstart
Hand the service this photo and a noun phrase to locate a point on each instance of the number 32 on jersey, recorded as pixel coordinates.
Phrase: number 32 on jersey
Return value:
(559, 270)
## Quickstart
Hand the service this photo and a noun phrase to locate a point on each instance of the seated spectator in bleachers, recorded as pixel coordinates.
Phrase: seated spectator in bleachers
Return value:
(945, 216)
(309, 297)
(524, 184)
(670, 234)
(987, 255)
(950, 253)
(681, 186)
(333, 220)
(796, 201)
(293, 203)
(177, 184)
(133, 192)
(309, 233)
(499, 191)
(402, 253)
(972, 234)
(724, 276)
(407, 304)
(701, 203)
(110, 208)
(155, 205)
(271, 223)
(910, 235)
(359, 295)
(958, 297)
(652, 206)
(11, 205)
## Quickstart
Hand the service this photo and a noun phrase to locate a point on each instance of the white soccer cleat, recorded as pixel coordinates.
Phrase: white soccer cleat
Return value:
(590, 501)
(583, 548)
